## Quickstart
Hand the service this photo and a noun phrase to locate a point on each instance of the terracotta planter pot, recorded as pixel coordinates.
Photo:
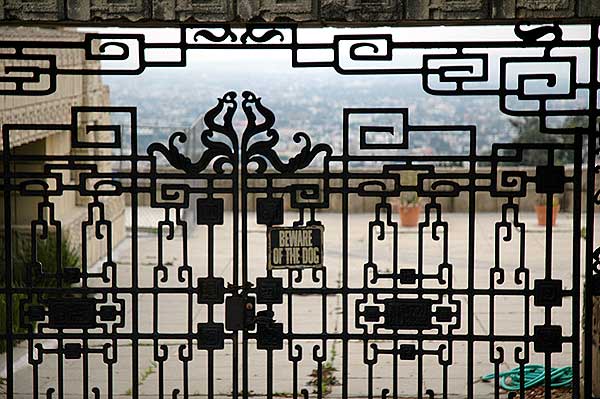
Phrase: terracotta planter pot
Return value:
(409, 215)
(540, 211)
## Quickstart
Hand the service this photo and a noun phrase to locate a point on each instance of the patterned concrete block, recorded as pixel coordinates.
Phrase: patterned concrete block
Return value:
(132, 10)
(546, 8)
(303, 11)
(589, 9)
(447, 9)
(271, 10)
(362, 10)
(163, 10)
(34, 10)
(199, 10)
(78, 10)
(502, 8)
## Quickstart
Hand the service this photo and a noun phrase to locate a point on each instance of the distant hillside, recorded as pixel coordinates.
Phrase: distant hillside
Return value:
(310, 100)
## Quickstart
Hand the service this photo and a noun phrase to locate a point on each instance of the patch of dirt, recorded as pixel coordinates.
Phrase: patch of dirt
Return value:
(538, 393)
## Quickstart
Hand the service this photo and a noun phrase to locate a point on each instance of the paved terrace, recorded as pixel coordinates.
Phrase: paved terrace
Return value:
(307, 313)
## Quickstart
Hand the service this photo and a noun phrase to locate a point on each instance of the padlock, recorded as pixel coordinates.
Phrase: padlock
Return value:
(240, 313)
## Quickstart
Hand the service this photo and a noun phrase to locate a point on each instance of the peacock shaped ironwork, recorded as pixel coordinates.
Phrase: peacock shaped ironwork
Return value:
(222, 146)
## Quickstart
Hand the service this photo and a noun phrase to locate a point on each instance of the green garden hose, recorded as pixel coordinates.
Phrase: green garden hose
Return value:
(533, 375)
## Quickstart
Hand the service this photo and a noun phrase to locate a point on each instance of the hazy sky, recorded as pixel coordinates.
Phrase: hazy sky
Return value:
(209, 73)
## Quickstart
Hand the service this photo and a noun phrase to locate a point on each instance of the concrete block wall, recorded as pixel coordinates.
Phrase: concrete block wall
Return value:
(309, 12)
(73, 90)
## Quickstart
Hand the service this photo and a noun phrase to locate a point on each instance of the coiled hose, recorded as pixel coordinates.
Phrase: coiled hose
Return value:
(533, 375)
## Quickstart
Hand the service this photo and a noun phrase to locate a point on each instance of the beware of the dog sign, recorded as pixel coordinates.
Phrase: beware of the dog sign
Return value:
(295, 247)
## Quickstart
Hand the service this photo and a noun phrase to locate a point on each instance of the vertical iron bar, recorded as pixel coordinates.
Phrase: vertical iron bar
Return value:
(210, 313)
(548, 275)
(576, 297)
(590, 207)
(235, 272)
(134, 259)
(345, 172)
(8, 261)
(84, 285)
(471, 266)
(244, 206)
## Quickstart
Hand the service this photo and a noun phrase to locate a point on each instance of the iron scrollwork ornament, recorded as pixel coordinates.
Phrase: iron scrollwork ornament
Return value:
(221, 141)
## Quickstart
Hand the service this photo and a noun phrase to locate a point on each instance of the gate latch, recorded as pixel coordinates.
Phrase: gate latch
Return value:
(240, 311)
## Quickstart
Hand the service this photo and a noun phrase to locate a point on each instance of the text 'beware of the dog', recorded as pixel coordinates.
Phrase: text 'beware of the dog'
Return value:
(295, 247)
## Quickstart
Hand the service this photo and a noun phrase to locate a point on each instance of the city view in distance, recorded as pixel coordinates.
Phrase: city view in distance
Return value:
(307, 99)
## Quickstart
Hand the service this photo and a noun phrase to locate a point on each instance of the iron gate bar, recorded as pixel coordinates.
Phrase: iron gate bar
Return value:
(592, 270)
(238, 156)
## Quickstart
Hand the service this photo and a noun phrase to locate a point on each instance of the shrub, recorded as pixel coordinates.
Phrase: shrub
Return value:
(15, 317)
(47, 257)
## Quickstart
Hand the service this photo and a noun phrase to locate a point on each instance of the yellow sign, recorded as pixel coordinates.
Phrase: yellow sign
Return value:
(295, 247)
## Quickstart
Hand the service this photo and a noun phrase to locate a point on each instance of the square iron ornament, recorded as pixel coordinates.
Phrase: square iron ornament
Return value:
(72, 313)
(71, 275)
(443, 314)
(211, 290)
(547, 293)
(108, 313)
(269, 211)
(209, 211)
(595, 284)
(408, 276)
(408, 352)
(36, 313)
(269, 290)
(211, 336)
(372, 314)
(269, 336)
(72, 351)
(547, 339)
(407, 314)
(550, 179)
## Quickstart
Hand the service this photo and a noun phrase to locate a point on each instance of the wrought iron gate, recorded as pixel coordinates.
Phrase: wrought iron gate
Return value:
(389, 309)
